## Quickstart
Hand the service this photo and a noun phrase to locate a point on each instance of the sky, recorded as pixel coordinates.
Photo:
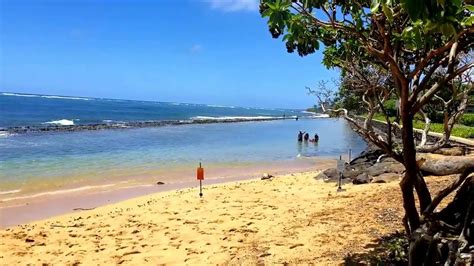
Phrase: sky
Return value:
(193, 51)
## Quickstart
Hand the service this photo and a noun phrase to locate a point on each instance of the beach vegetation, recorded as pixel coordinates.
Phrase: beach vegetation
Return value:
(415, 52)
(459, 130)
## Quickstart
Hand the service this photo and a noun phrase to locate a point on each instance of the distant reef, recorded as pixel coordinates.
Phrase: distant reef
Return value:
(131, 124)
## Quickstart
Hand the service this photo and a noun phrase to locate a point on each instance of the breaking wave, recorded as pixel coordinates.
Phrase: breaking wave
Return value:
(61, 122)
(234, 117)
(44, 96)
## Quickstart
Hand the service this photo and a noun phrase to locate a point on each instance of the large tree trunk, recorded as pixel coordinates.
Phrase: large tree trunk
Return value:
(446, 238)
(408, 181)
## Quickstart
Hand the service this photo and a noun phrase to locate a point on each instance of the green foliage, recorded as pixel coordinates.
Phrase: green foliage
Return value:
(314, 109)
(302, 33)
(467, 120)
(349, 100)
(391, 107)
(459, 130)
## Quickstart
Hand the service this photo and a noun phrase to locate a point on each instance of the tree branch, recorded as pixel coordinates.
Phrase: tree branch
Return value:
(445, 192)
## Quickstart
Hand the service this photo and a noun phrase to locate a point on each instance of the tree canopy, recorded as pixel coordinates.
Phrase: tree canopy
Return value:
(414, 48)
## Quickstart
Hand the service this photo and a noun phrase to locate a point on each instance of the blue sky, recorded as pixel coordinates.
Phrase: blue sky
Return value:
(213, 52)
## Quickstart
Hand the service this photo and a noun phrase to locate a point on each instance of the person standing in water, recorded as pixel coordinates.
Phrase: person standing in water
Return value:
(300, 136)
(306, 137)
(316, 138)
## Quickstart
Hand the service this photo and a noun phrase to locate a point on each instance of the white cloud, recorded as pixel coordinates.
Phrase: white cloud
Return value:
(196, 48)
(234, 5)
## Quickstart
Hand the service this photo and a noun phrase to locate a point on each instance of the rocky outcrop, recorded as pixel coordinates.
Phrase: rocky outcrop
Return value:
(385, 166)
(386, 177)
(361, 179)
(329, 174)
(369, 167)
(129, 124)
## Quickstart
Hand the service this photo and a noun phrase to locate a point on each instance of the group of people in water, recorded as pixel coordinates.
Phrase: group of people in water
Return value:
(304, 136)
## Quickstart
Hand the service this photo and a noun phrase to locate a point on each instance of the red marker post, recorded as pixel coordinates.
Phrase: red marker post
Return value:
(200, 177)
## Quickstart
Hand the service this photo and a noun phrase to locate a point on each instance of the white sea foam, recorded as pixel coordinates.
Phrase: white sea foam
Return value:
(62, 122)
(315, 115)
(58, 192)
(321, 116)
(219, 106)
(4, 134)
(19, 95)
(234, 117)
(65, 97)
(44, 96)
(9, 191)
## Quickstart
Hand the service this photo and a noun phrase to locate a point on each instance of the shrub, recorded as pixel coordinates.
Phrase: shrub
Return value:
(391, 107)
(467, 119)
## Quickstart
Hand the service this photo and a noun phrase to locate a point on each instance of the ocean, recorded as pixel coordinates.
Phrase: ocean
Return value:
(42, 163)
(19, 109)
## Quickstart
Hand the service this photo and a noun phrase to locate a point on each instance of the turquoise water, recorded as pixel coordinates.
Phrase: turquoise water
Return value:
(40, 162)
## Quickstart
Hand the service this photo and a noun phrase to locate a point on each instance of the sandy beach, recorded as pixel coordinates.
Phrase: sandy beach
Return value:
(292, 218)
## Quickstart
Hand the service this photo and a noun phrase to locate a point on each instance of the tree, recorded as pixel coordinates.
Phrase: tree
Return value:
(418, 43)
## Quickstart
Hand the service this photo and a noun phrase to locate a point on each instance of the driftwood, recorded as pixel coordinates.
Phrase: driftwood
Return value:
(436, 164)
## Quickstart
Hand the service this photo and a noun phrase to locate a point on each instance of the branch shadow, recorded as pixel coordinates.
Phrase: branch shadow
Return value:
(387, 250)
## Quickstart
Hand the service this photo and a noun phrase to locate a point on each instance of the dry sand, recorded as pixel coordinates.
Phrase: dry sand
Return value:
(290, 219)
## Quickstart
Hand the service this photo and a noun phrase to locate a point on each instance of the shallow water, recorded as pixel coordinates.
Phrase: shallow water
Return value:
(44, 162)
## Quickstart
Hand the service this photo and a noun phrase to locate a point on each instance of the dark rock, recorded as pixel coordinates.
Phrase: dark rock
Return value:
(122, 125)
(29, 240)
(351, 171)
(328, 174)
(385, 167)
(160, 183)
(361, 179)
(387, 159)
(266, 176)
(386, 177)
(369, 156)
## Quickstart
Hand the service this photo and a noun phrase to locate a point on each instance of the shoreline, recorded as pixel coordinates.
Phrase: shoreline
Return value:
(143, 124)
(47, 204)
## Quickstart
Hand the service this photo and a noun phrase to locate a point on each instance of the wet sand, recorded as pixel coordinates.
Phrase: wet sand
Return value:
(21, 208)
(289, 219)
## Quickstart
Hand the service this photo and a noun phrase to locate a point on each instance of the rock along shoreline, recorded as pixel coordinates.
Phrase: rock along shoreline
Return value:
(129, 125)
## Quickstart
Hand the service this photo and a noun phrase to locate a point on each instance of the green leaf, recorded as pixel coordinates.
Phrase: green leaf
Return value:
(469, 21)
(388, 12)
(417, 38)
(470, 8)
(267, 13)
(374, 7)
(430, 26)
(414, 8)
(448, 29)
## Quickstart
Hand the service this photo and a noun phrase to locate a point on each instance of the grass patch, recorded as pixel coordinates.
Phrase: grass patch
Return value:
(459, 130)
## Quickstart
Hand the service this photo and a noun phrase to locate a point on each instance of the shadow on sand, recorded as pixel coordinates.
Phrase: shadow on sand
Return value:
(387, 250)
